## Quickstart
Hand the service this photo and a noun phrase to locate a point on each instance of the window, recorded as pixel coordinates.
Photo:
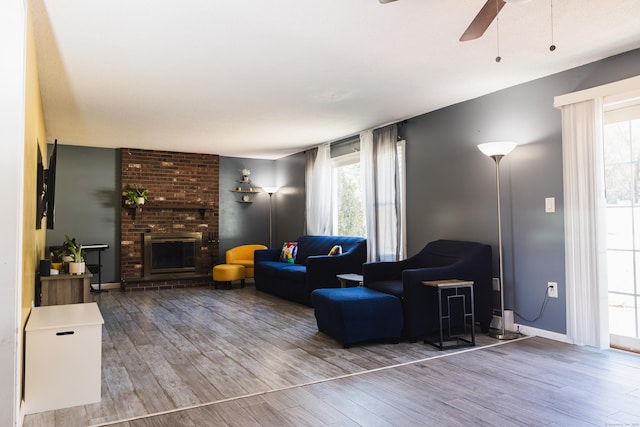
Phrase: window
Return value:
(348, 200)
(621, 143)
(348, 197)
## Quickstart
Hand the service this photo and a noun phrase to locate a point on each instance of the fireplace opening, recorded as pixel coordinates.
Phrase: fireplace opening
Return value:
(170, 253)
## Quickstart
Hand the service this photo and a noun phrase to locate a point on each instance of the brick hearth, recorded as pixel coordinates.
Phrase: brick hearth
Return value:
(183, 196)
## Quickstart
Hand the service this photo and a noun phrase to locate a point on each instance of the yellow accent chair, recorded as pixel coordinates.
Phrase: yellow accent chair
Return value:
(243, 255)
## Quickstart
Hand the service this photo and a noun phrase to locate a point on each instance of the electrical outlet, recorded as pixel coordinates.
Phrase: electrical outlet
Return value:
(552, 289)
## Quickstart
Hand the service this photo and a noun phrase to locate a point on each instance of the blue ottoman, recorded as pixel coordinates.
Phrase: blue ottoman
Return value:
(352, 315)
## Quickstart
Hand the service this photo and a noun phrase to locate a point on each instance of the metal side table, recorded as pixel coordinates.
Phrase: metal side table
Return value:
(455, 312)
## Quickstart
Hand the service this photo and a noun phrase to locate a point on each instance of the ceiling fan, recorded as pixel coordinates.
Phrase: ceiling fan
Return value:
(483, 19)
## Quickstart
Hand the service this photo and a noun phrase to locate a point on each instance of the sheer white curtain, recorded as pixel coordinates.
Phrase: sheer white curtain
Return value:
(585, 225)
(318, 190)
(384, 194)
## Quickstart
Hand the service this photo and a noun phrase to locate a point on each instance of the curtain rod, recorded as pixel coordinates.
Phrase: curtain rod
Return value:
(356, 134)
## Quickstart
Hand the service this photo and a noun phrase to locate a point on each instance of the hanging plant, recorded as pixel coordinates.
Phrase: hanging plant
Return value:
(135, 196)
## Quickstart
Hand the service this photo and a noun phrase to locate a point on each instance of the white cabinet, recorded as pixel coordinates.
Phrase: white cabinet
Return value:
(63, 357)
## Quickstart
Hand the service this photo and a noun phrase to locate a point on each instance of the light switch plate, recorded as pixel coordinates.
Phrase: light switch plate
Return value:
(550, 204)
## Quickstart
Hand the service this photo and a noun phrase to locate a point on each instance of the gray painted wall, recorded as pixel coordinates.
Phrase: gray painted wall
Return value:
(88, 203)
(452, 189)
(244, 223)
(289, 201)
(451, 185)
(249, 223)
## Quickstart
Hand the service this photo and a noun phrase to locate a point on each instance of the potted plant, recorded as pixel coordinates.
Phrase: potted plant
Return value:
(57, 256)
(135, 196)
(76, 266)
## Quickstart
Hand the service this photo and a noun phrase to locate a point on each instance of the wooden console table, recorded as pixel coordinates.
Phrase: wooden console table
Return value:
(65, 289)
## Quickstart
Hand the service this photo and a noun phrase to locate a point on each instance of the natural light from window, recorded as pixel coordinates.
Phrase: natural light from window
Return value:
(622, 184)
(348, 196)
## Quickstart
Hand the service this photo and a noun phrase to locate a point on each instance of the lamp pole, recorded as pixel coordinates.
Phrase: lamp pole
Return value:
(270, 191)
(497, 150)
(270, 222)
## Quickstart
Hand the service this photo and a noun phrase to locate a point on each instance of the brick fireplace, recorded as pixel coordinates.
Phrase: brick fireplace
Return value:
(183, 199)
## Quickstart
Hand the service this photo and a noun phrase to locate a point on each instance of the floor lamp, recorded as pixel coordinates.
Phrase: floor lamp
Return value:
(497, 150)
(270, 191)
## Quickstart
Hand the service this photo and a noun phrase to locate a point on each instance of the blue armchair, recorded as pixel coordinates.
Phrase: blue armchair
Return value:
(441, 259)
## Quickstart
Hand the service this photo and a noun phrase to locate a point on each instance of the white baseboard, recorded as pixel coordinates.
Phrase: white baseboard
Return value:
(528, 330)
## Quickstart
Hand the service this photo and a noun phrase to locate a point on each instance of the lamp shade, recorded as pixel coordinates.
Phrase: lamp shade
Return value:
(270, 190)
(499, 148)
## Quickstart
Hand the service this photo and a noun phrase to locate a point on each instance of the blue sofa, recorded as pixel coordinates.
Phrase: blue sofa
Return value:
(440, 259)
(313, 268)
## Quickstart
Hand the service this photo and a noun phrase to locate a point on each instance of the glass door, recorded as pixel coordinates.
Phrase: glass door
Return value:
(621, 144)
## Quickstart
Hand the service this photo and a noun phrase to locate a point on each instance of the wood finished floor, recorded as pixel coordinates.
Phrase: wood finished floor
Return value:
(243, 358)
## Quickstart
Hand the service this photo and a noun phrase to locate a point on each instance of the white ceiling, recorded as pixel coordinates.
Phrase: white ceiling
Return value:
(267, 78)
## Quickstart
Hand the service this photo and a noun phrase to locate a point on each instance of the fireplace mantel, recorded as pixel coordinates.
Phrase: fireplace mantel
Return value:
(168, 205)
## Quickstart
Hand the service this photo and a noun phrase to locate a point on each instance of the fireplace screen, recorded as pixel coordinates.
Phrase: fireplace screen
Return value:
(167, 253)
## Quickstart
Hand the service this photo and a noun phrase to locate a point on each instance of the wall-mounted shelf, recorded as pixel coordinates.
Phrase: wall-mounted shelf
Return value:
(246, 188)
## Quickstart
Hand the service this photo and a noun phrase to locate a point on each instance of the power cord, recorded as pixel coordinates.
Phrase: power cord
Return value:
(544, 304)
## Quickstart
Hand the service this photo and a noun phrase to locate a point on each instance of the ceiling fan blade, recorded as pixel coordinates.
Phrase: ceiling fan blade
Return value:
(483, 19)
(386, 1)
